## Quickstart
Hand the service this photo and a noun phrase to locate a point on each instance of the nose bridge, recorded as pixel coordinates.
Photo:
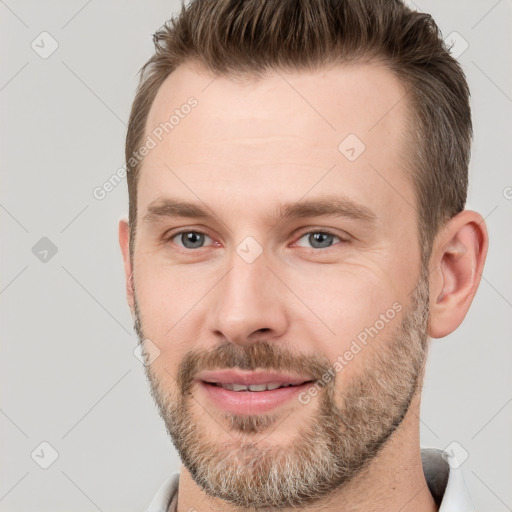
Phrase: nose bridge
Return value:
(247, 300)
(247, 278)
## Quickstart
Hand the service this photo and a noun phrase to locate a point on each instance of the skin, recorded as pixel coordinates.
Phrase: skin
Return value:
(246, 148)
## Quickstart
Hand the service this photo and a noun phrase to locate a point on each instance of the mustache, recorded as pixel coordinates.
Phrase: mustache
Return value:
(258, 355)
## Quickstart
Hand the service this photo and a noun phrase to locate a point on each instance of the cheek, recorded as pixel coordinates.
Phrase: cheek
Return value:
(167, 298)
(355, 309)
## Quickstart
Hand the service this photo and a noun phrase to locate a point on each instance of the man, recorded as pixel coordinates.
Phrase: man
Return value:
(297, 233)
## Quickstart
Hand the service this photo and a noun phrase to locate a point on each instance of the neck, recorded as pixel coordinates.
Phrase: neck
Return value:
(393, 482)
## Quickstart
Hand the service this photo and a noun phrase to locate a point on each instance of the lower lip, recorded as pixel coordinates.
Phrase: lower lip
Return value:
(251, 402)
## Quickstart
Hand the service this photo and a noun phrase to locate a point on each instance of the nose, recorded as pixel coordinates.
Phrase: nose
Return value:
(248, 303)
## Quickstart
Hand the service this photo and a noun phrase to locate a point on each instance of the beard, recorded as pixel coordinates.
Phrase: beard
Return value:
(344, 433)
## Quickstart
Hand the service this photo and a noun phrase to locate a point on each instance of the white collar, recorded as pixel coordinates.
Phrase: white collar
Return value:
(446, 481)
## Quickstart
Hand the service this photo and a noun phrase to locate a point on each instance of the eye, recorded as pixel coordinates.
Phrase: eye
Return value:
(318, 239)
(190, 239)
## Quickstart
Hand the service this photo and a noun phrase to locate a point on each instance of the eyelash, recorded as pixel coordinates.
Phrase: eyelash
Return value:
(324, 232)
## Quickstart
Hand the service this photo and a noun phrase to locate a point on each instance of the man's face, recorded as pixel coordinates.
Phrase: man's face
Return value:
(248, 289)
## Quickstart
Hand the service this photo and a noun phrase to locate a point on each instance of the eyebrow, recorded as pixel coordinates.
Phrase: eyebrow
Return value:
(327, 205)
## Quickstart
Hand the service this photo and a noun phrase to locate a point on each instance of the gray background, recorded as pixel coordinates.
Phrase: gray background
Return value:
(68, 373)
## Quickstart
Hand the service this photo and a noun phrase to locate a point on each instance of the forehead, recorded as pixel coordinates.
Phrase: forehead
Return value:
(285, 134)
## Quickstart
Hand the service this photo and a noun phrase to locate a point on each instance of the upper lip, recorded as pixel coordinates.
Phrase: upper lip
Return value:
(250, 378)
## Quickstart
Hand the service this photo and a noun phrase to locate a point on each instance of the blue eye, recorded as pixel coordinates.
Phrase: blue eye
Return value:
(314, 239)
(319, 239)
(190, 239)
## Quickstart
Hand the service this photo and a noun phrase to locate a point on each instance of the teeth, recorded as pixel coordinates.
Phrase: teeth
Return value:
(252, 387)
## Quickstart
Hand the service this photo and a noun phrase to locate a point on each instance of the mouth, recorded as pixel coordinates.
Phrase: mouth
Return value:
(251, 392)
(238, 380)
(255, 387)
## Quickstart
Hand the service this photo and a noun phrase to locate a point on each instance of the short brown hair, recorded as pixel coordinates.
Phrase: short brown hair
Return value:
(248, 37)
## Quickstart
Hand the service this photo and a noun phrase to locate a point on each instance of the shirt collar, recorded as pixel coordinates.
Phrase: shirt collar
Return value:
(446, 481)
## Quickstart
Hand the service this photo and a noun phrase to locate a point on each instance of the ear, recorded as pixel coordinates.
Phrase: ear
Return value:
(124, 243)
(456, 266)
